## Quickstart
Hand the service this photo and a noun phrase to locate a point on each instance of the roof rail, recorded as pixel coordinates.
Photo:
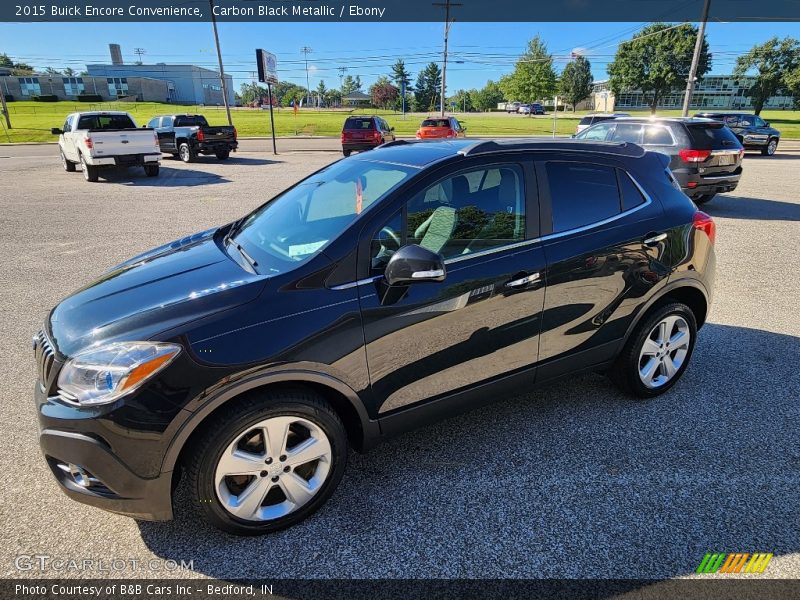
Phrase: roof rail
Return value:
(617, 148)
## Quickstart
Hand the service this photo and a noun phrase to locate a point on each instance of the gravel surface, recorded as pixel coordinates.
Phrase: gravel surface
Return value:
(573, 480)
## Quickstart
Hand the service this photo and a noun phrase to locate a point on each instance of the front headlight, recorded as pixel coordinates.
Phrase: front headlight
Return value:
(104, 374)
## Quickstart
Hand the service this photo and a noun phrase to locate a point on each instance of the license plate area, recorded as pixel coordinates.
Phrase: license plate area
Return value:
(725, 160)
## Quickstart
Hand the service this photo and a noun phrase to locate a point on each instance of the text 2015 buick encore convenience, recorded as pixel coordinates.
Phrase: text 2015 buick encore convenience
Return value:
(381, 292)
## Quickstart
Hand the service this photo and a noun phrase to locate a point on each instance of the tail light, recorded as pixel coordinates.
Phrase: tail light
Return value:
(451, 133)
(376, 134)
(155, 140)
(343, 136)
(693, 156)
(419, 135)
(705, 223)
(200, 135)
(235, 134)
(88, 142)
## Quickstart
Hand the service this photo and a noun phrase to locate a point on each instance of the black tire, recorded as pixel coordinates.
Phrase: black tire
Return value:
(235, 422)
(175, 155)
(770, 148)
(625, 371)
(347, 152)
(703, 199)
(222, 154)
(68, 165)
(186, 153)
(90, 173)
(151, 170)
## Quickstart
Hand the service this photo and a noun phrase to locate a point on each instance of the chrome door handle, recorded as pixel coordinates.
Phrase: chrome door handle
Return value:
(652, 241)
(523, 281)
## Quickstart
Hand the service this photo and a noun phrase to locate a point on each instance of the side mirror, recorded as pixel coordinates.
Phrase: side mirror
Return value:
(414, 264)
(392, 128)
(766, 124)
(56, 131)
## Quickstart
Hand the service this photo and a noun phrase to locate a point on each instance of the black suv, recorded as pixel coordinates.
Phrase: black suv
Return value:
(381, 292)
(705, 156)
(753, 132)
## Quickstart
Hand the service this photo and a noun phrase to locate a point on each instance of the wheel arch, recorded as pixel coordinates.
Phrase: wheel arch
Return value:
(689, 292)
(362, 432)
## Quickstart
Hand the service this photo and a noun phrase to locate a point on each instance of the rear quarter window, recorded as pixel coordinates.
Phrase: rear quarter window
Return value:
(359, 123)
(711, 136)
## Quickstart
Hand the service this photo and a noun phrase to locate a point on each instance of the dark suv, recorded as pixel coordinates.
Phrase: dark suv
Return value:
(365, 133)
(753, 132)
(705, 156)
(380, 293)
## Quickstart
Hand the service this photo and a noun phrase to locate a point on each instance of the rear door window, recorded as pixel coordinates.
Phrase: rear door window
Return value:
(627, 132)
(711, 136)
(656, 135)
(581, 194)
(597, 132)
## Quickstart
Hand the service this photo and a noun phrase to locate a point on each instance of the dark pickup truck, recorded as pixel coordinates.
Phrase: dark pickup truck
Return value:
(186, 136)
(753, 132)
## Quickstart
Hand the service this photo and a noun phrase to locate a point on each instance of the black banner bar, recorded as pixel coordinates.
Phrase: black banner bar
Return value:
(394, 10)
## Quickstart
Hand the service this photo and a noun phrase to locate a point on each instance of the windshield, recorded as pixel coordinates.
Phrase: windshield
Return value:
(299, 223)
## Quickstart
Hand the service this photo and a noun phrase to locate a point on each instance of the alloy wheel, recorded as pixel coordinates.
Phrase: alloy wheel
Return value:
(273, 468)
(771, 147)
(664, 351)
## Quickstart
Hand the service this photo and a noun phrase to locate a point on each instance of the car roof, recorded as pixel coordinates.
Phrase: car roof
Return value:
(420, 154)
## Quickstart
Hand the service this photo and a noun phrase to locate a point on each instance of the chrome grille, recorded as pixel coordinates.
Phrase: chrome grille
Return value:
(45, 358)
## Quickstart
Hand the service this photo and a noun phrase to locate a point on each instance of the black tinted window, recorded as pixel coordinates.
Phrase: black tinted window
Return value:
(627, 132)
(585, 121)
(630, 194)
(436, 123)
(105, 122)
(581, 194)
(711, 136)
(358, 123)
(190, 121)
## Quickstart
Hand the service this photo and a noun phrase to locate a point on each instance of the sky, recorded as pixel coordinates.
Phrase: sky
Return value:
(478, 51)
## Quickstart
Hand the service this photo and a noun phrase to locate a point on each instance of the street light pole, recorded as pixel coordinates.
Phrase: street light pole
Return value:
(698, 47)
(305, 50)
(222, 82)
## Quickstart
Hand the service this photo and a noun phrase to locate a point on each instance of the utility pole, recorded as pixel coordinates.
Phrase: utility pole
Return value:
(222, 82)
(139, 52)
(5, 108)
(447, 4)
(306, 50)
(698, 47)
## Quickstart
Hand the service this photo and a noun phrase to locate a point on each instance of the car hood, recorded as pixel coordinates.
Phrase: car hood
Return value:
(161, 289)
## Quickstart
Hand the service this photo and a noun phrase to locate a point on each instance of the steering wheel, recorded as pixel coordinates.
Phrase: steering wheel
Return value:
(386, 234)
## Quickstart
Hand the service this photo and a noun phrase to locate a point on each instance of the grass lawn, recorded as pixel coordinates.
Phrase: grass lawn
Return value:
(31, 121)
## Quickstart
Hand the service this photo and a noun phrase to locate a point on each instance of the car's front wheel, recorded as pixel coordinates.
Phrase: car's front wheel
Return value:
(770, 148)
(268, 462)
(68, 165)
(657, 352)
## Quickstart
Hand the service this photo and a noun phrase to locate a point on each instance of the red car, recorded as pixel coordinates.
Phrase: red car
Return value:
(443, 127)
(365, 133)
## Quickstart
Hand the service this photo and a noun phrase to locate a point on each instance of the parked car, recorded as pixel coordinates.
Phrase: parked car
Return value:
(365, 133)
(595, 118)
(441, 127)
(187, 136)
(537, 109)
(705, 155)
(378, 294)
(524, 109)
(753, 132)
(97, 140)
(512, 107)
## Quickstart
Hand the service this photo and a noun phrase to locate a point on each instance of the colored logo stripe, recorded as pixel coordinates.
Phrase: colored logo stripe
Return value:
(734, 562)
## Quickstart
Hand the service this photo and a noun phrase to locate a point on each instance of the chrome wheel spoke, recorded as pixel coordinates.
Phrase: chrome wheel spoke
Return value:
(649, 370)
(679, 340)
(247, 504)
(305, 452)
(275, 433)
(297, 490)
(669, 367)
(651, 347)
(237, 462)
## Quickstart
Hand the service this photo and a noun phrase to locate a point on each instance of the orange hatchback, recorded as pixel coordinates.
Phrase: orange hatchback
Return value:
(438, 128)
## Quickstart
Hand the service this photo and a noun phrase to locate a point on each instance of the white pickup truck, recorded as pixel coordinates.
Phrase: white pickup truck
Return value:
(106, 139)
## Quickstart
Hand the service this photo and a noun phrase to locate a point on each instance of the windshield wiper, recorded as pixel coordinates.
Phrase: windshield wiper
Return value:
(249, 259)
(234, 228)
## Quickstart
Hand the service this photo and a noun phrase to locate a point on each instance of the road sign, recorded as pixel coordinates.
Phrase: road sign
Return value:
(267, 66)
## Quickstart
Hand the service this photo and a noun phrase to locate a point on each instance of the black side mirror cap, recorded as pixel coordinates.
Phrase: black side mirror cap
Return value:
(56, 131)
(415, 264)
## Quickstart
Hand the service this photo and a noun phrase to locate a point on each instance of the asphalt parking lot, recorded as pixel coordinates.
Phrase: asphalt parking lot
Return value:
(574, 480)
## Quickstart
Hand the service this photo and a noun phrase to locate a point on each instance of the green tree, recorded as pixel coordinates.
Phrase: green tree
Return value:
(69, 72)
(773, 61)
(52, 71)
(400, 75)
(383, 93)
(657, 61)
(462, 100)
(349, 85)
(576, 81)
(487, 98)
(17, 68)
(333, 97)
(321, 91)
(533, 77)
(427, 87)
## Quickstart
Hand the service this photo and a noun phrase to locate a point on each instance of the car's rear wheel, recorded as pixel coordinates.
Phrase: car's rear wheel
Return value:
(89, 172)
(151, 170)
(347, 152)
(658, 351)
(68, 165)
(770, 148)
(222, 154)
(267, 463)
(186, 153)
(703, 199)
